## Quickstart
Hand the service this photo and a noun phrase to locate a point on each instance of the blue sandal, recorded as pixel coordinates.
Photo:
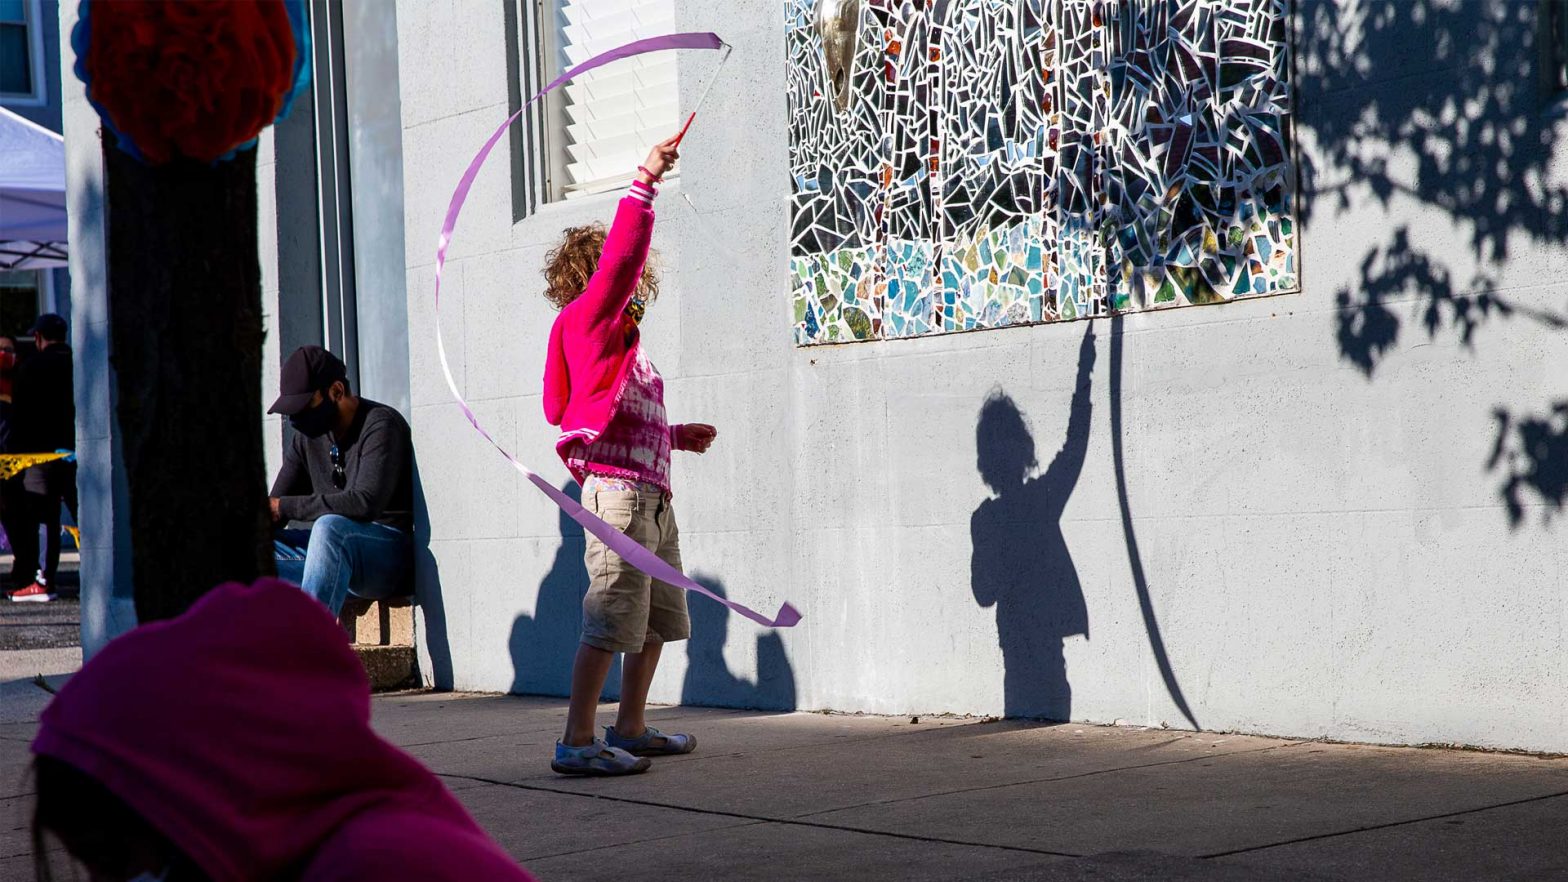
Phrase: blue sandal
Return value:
(596, 758)
(652, 742)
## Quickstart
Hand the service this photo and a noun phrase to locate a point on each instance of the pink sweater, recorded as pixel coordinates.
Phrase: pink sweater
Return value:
(598, 386)
(636, 445)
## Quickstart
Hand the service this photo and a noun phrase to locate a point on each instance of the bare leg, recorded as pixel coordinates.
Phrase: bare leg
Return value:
(636, 676)
(588, 672)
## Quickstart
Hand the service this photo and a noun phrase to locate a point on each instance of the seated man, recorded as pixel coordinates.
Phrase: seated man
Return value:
(347, 468)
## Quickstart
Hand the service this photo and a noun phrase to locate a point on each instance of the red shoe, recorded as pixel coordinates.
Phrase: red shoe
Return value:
(34, 593)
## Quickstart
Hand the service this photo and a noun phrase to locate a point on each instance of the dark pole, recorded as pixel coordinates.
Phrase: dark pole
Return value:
(185, 341)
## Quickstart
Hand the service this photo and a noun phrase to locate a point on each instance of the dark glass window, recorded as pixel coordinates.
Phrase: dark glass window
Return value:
(16, 50)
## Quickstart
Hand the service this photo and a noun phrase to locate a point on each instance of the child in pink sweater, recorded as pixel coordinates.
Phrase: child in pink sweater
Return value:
(608, 399)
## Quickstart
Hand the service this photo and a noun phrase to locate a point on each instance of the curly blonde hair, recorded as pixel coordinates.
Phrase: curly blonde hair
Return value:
(570, 265)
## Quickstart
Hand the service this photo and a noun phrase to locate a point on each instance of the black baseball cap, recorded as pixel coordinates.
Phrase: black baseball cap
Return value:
(51, 327)
(308, 371)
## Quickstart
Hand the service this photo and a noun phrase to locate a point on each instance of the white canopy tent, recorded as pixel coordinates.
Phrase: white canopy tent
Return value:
(32, 195)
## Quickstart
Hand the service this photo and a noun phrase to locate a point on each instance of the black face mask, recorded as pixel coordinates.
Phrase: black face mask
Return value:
(313, 422)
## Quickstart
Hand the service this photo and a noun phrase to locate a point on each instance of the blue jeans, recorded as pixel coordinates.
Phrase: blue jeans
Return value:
(337, 557)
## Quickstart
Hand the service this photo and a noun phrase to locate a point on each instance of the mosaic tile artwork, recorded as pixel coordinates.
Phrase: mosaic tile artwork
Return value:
(1080, 76)
(992, 163)
(967, 164)
(837, 159)
(1199, 179)
(909, 117)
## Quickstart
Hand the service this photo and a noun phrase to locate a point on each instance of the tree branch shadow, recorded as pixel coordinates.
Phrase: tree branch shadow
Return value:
(1464, 130)
(1532, 452)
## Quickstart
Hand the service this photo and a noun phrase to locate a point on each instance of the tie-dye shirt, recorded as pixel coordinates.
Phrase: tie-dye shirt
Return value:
(636, 444)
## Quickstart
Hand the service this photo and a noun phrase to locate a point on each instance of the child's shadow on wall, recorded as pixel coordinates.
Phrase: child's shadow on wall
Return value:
(543, 645)
(1021, 564)
(708, 678)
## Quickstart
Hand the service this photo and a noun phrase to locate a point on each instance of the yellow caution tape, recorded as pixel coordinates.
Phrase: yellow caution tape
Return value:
(13, 464)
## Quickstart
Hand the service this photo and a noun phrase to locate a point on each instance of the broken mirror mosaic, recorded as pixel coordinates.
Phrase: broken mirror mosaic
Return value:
(968, 164)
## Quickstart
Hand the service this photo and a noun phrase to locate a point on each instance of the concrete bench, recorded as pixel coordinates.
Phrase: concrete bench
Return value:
(383, 636)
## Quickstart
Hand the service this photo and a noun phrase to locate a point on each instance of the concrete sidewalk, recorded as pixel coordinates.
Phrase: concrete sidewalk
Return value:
(21, 699)
(809, 796)
(800, 796)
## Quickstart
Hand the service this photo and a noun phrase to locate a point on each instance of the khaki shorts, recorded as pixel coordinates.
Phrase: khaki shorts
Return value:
(625, 607)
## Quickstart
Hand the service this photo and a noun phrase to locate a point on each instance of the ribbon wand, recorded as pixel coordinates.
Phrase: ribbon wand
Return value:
(685, 128)
(705, 91)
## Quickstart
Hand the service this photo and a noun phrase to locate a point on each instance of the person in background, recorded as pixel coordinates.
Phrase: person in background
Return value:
(9, 489)
(348, 470)
(234, 743)
(7, 383)
(43, 420)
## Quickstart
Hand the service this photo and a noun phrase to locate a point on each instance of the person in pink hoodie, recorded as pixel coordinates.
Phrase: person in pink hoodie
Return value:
(608, 399)
(234, 743)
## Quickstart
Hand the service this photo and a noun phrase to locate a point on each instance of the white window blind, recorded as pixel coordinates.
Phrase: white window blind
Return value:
(614, 114)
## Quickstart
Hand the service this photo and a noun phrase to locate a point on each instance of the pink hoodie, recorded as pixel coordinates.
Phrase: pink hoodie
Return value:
(593, 343)
(241, 731)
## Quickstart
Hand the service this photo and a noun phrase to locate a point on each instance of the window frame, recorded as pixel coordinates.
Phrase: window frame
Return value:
(538, 138)
(32, 21)
(533, 170)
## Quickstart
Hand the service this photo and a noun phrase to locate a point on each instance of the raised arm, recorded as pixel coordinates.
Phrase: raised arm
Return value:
(626, 246)
(620, 266)
(1062, 474)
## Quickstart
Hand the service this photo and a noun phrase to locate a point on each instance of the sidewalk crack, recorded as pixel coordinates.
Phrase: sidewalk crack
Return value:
(791, 822)
(1049, 780)
(542, 857)
(1388, 825)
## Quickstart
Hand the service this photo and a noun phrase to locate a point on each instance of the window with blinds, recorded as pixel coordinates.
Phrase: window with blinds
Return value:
(608, 118)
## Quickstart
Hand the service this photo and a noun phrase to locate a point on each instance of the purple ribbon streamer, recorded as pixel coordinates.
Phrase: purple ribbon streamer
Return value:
(629, 549)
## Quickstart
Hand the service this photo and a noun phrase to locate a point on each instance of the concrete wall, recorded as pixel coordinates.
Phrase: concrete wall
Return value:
(290, 232)
(1304, 495)
(107, 605)
(270, 250)
(376, 170)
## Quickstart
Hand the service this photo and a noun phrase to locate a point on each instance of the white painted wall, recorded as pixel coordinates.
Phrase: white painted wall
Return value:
(271, 297)
(1326, 552)
(107, 606)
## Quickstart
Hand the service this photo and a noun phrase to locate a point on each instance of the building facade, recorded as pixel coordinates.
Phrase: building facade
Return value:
(30, 87)
(922, 269)
(330, 241)
(1325, 508)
